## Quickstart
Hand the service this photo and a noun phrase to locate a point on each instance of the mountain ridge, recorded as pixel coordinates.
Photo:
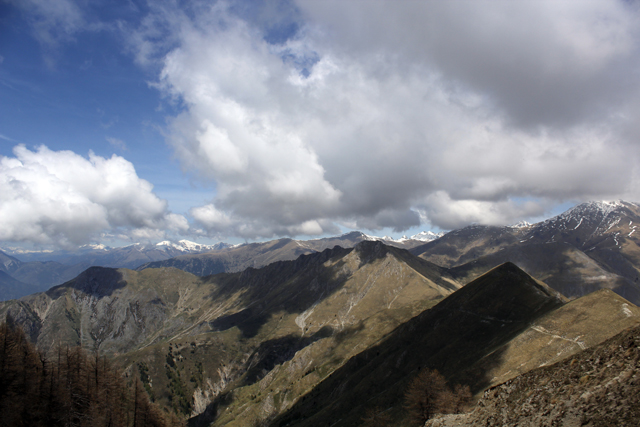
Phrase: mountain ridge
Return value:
(461, 337)
(590, 246)
(596, 387)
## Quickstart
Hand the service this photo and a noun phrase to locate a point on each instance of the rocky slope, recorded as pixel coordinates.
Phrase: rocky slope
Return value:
(567, 330)
(598, 387)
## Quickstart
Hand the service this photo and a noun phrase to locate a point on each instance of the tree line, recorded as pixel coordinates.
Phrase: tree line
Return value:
(69, 388)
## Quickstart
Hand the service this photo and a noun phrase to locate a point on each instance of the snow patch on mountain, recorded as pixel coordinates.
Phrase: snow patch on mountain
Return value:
(595, 211)
(423, 236)
(603, 208)
(188, 246)
(427, 236)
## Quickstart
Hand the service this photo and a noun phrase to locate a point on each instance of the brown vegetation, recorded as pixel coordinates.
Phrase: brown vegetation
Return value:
(70, 388)
(428, 395)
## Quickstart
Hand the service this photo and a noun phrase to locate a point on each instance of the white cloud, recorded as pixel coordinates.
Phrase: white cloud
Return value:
(59, 197)
(385, 114)
(449, 214)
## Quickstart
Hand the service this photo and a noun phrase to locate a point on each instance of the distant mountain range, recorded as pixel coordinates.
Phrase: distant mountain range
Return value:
(27, 272)
(46, 269)
(130, 256)
(591, 246)
(256, 255)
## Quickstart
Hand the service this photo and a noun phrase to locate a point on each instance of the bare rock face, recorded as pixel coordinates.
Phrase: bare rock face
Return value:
(599, 387)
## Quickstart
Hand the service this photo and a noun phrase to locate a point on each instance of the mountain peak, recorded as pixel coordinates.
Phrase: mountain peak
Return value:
(506, 282)
(596, 207)
(97, 281)
(427, 236)
(521, 224)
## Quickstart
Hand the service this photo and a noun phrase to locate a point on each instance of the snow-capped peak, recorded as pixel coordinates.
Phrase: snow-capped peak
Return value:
(521, 224)
(192, 246)
(602, 208)
(371, 238)
(187, 246)
(427, 236)
(423, 236)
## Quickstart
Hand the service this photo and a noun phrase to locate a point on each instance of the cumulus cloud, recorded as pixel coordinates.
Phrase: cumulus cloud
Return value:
(59, 197)
(451, 214)
(547, 62)
(396, 113)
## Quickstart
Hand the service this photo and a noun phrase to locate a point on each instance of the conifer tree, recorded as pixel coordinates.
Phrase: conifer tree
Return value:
(428, 395)
(73, 389)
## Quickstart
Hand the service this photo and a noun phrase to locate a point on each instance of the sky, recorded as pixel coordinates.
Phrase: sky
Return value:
(134, 121)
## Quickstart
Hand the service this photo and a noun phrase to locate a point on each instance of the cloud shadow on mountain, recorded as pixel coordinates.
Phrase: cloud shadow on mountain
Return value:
(95, 281)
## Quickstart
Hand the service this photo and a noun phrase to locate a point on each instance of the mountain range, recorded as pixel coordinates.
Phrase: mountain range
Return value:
(591, 246)
(42, 270)
(27, 272)
(343, 327)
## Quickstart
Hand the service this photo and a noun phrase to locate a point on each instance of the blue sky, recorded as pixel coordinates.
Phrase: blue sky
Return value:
(235, 120)
(86, 93)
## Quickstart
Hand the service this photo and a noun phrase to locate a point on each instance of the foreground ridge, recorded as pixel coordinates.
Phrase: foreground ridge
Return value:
(596, 387)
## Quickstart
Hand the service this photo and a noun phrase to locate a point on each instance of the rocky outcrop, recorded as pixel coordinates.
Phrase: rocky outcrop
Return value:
(599, 387)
